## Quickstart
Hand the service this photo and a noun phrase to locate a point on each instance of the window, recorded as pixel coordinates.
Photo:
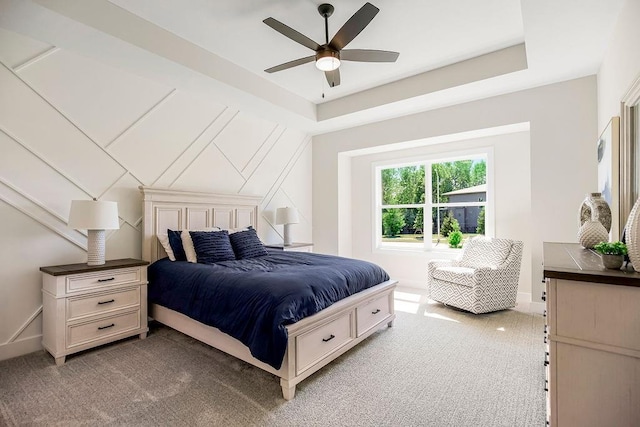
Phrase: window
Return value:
(457, 202)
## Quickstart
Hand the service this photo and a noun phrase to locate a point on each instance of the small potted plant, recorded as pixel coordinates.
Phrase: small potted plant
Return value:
(612, 253)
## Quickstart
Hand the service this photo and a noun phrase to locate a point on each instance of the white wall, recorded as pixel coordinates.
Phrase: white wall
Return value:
(74, 128)
(621, 64)
(511, 194)
(563, 132)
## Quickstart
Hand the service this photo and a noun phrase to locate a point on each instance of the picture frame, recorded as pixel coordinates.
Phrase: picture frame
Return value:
(608, 149)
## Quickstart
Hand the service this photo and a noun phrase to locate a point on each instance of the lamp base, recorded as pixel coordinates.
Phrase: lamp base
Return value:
(287, 235)
(95, 247)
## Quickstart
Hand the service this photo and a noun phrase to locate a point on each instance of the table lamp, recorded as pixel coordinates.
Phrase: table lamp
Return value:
(287, 216)
(95, 216)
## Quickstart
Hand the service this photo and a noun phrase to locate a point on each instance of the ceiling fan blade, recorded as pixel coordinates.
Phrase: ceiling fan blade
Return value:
(354, 26)
(291, 64)
(368, 55)
(292, 34)
(333, 77)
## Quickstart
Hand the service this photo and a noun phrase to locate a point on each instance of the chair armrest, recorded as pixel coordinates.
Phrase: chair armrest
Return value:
(437, 263)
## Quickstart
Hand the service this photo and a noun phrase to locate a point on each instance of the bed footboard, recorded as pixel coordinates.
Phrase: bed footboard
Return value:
(313, 342)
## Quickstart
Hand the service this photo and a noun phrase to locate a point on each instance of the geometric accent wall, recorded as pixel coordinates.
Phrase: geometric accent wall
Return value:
(74, 128)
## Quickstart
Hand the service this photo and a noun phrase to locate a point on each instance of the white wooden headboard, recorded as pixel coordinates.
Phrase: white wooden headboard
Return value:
(165, 208)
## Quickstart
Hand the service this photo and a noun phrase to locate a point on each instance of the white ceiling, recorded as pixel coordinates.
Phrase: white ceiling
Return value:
(222, 47)
(428, 34)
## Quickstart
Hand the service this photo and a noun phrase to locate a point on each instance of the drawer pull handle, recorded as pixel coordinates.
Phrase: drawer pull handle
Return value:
(328, 339)
(106, 302)
(376, 312)
(106, 280)
(106, 327)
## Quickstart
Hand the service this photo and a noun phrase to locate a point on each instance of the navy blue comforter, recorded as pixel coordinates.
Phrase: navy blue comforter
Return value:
(253, 299)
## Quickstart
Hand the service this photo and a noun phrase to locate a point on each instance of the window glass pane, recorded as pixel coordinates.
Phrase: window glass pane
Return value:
(403, 225)
(469, 220)
(459, 181)
(402, 186)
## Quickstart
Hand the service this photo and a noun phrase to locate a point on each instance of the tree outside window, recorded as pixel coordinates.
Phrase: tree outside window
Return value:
(458, 201)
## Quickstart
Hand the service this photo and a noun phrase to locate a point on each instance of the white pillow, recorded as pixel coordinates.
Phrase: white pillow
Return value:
(187, 243)
(236, 230)
(164, 241)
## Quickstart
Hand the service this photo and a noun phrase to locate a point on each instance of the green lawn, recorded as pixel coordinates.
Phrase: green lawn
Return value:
(419, 238)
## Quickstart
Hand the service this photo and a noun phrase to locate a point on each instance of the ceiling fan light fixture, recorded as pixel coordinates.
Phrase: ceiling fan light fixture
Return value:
(327, 61)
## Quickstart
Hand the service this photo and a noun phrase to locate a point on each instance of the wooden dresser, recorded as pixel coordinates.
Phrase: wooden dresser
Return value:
(592, 333)
(85, 306)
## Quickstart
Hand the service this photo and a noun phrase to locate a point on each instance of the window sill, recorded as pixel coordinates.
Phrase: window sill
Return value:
(416, 250)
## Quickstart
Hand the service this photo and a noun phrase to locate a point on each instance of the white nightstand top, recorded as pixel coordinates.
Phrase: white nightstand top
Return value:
(291, 246)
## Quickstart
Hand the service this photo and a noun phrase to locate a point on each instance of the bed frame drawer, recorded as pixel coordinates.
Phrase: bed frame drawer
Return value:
(373, 313)
(315, 345)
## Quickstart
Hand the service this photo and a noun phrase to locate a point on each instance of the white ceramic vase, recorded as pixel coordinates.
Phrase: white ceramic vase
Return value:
(591, 233)
(594, 206)
(591, 230)
(632, 236)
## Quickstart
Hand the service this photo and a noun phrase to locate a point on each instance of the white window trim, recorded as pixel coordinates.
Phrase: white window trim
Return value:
(376, 234)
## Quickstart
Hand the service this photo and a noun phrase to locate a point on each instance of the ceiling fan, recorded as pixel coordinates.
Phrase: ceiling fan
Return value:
(329, 55)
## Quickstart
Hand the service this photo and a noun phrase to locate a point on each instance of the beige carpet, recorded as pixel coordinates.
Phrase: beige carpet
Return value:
(446, 368)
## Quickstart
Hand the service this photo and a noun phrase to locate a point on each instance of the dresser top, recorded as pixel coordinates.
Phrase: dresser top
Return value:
(62, 270)
(570, 261)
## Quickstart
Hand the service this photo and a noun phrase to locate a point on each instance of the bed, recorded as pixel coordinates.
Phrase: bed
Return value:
(311, 342)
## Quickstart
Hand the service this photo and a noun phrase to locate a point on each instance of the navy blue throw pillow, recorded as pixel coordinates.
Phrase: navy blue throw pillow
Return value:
(212, 246)
(175, 241)
(247, 244)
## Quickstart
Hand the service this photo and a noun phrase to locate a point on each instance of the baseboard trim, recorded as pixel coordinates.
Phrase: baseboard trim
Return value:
(537, 307)
(20, 347)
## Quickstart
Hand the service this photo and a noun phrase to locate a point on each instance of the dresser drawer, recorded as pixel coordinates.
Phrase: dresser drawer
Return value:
(591, 312)
(87, 306)
(80, 282)
(372, 313)
(91, 331)
(314, 345)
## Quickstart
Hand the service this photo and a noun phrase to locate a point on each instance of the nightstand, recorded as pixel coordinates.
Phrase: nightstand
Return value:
(84, 306)
(294, 247)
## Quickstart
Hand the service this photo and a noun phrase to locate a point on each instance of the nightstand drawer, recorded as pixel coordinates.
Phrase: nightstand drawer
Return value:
(86, 332)
(101, 279)
(372, 313)
(82, 307)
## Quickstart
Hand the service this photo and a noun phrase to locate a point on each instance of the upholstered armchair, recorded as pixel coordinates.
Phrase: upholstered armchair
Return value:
(484, 278)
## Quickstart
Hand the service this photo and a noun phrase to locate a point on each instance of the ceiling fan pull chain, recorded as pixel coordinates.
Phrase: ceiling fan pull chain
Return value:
(322, 85)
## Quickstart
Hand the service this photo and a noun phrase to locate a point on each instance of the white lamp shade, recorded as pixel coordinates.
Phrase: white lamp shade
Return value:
(94, 215)
(287, 216)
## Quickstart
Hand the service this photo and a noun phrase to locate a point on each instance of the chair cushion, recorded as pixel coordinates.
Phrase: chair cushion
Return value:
(485, 252)
(459, 275)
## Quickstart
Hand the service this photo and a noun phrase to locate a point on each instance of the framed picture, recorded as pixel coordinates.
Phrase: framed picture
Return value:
(609, 171)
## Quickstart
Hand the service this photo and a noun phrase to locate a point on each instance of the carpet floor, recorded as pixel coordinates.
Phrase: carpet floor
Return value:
(436, 367)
